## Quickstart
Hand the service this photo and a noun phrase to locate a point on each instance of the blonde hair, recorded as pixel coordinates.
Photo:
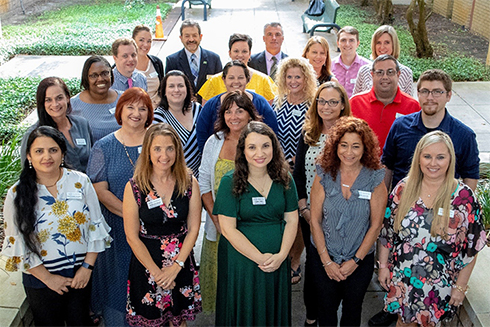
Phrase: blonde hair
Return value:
(308, 73)
(394, 40)
(144, 166)
(312, 128)
(326, 69)
(412, 189)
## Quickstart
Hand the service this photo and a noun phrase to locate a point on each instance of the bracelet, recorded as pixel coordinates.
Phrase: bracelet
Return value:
(303, 209)
(87, 266)
(461, 289)
(325, 249)
(328, 263)
(383, 265)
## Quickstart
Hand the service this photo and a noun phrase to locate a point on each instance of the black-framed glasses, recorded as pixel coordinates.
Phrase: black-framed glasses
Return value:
(105, 73)
(331, 103)
(435, 93)
(380, 72)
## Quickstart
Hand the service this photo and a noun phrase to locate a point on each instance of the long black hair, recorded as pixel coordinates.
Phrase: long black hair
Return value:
(26, 198)
(44, 118)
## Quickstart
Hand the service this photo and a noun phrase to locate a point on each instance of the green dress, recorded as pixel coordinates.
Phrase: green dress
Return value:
(246, 295)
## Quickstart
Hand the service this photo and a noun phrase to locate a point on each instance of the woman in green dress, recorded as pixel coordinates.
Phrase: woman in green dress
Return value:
(257, 207)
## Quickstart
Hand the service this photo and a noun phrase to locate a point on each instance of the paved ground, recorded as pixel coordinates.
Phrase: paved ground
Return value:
(470, 103)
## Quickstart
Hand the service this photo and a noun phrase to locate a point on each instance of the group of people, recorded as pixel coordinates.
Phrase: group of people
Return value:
(281, 153)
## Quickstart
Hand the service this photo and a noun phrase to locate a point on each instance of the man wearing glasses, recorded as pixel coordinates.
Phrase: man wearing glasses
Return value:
(385, 101)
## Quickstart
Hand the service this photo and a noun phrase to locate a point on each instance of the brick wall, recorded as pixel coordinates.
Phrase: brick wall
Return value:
(481, 18)
(443, 7)
(14, 5)
(461, 12)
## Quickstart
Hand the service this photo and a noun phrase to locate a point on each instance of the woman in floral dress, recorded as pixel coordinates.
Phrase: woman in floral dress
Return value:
(54, 230)
(432, 233)
(162, 214)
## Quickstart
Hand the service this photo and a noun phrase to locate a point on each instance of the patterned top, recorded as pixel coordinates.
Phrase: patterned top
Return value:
(290, 119)
(100, 116)
(425, 267)
(346, 222)
(364, 81)
(222, 167)
(310, 164)
(67, 226)
(192, 154)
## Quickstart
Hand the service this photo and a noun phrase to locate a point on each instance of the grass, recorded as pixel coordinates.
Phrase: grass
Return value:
(458, 66)
(10, 165)
(77, 29)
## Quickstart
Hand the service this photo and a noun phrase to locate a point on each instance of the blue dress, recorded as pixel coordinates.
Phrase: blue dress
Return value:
(109, 163)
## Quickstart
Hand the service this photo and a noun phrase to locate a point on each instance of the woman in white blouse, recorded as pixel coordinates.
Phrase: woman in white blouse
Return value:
(54, 230)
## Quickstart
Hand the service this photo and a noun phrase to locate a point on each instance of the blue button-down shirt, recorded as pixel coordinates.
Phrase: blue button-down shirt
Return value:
(121, 82)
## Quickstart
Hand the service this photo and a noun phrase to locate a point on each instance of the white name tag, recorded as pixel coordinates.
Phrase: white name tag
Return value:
(399, 115)
(153, 75)
(365, 195)
(258, 201)
(440, 212)
(139, 149)
(297, 112)
(74, 195)
(112, 110)
(81, 141)
(353, 80)
(154, 203)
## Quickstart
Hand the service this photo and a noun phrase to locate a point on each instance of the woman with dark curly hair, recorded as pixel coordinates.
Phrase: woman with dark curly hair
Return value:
(257, 211)
(348, 200)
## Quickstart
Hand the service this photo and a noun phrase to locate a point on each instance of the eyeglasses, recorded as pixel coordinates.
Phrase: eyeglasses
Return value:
(380, 72)
(331, 103)
(105, 73)
(435, 93)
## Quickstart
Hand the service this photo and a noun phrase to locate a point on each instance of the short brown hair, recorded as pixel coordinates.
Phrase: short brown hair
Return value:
(122, 41)
(132, 95)
(349, 30)
(139, 28)
(436, 75)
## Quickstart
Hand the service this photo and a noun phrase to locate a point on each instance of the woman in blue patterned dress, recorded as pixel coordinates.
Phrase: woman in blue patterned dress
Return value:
(54, 230)
(162, 215)
(431, 236)
(296, 81)
(110, 167)
(179, 110)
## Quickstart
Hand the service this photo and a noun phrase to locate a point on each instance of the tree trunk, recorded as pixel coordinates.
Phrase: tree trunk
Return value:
(418, 29)
(364, 3)
(384, 11)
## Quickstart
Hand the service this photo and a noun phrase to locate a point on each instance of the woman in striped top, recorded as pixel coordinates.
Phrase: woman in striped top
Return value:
(384, 41)
(178, 109)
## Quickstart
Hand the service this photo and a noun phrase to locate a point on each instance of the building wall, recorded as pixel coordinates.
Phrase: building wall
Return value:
(472, 14)
(14, 5)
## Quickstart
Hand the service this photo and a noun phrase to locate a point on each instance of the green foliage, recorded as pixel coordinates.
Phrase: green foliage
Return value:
(18, 99)
(10, 165)
(78, 29)
(483, 195)
(458, 66)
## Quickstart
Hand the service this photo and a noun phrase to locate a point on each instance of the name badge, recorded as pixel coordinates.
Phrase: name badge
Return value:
(297, 112)
(112, 110)
(440, 212)
(365, 195)
(81, 141)
(139, 149)
(154, 203)
(399, 115)
(74, 195)
(353, 80)
(153, 75)
(258, 201)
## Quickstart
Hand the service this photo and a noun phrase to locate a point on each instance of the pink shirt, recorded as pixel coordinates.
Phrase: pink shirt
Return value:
(347, 75)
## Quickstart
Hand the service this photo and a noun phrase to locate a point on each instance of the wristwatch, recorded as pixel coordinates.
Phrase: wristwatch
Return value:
(180, 263)
(357, 260)
(87, 266)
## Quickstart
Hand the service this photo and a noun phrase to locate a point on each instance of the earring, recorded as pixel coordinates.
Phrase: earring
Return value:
(30, 164)
(63, 162)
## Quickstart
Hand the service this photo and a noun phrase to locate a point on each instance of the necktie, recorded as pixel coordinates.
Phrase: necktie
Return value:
(274, 67)
(194, 68)
(130, 82)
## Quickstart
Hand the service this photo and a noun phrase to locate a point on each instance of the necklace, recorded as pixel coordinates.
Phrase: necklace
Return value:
(59, 177)
(260, 188)
(126, 150)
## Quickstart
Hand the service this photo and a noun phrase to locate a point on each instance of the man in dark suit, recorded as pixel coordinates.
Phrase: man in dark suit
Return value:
(267, 61)
(195, 62)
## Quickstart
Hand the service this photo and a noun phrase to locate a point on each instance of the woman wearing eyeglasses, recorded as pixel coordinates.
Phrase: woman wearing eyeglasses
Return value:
(331, 102)
(97, 102)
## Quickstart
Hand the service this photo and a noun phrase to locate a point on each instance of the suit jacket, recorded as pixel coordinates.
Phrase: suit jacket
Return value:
(210, 64)
(257, 61)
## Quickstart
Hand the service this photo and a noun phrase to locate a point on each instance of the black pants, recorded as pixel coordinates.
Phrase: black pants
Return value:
(309, 288)
(51, 309)
(350, 291)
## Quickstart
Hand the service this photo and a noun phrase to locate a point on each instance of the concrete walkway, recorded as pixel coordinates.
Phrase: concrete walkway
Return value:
(470, 102)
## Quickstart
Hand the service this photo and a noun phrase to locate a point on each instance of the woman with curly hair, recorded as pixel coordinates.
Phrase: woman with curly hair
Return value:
(317, 52)
(432, 233)
(257, 211)
(348, 200)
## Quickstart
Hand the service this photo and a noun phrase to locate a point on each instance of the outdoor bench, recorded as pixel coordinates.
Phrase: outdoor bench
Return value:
(206, 3)
(326, 20)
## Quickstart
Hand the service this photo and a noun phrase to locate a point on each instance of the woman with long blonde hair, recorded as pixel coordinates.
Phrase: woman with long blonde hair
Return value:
(431, 236)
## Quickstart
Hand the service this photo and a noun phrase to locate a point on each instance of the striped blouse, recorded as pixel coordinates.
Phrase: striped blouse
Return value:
(364, 81)
(192, 154)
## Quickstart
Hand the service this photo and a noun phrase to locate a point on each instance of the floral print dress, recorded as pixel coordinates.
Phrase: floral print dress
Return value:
(425, 267)
(162, 230)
